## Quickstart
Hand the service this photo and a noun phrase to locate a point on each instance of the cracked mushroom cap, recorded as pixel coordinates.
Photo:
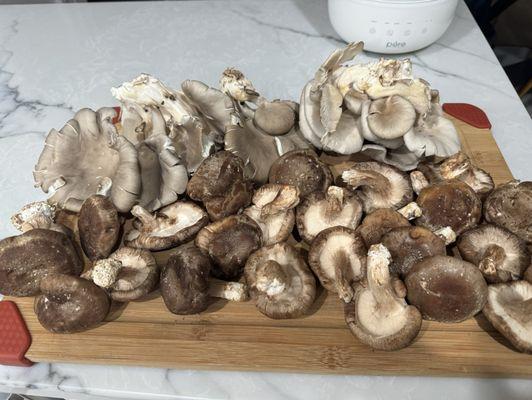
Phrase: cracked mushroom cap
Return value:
(280, 281)
(229, 242)
(410, 244)
(509, 309)
(391, 117)
(338, 258)
(86, 156)
(303, 169)
(169, 227)
(377, 316)
(70, 304)
(499, 254)
(319, 211)
(273, 211)
(377, 223)
(450, 203)
(26, 259)
(378, 185)
(510, 206)
(98, 226)
(446, 289)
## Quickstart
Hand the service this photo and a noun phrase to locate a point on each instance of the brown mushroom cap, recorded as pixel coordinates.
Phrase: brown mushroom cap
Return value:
(379, 185)
(446, 289)
(500, 255)
(510, 206)
(303, 169)
(274, 118)
(450, 203)
(185, 281)
(509, 309)
(377, 315)
(410, 244)
(379, 222)
(70, 304)
(459, 166)
(229, 242)
(28, 258)
(98, 226)
(527, 276)
(319, 211)
(338, 258)
(280, 281)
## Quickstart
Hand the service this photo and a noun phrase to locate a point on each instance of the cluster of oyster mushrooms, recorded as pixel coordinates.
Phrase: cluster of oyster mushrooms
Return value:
(205, 193)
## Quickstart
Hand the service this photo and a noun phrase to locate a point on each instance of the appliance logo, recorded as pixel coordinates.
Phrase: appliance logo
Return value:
(395, 44)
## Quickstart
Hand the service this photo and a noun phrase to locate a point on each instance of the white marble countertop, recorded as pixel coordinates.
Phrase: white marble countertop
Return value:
(55, 59)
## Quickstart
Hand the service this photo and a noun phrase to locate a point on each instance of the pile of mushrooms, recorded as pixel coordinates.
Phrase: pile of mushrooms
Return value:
(255, 200)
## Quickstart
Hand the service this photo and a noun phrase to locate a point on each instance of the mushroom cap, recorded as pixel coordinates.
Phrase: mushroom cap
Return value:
(401, 158)
(233, 201)
(449, 203)
(527, 276)
(379, 185)
(229, 242)
(300, 291)
(378, 223)
(319, 211)
(377, 316)
(480, 245)
(138, 276)
(303, 169)
(26, 259)
(510, 206)
(446, 289)
(391, 117)
(185, 281)
(70, 304)
(459, 166)
(98, 226)
(338, 258)
(410, 244)
(509, 309)
(86, 155)
(275, 117)
(171, 226)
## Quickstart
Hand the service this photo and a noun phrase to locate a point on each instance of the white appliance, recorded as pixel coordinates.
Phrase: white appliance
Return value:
(392, 26)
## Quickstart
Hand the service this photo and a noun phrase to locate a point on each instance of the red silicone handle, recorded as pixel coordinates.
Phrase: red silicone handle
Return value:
(15, 338)
(468, 113)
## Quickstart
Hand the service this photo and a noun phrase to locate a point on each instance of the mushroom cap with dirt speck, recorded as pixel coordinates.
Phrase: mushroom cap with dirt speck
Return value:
(379, 222)
(26, 259)
(446, 289)
(70, 304)
(280, 282)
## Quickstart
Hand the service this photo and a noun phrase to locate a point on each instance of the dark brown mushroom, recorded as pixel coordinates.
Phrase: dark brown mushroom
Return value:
(70, 304)
(460, 167)
(28, 258)
(379, 222)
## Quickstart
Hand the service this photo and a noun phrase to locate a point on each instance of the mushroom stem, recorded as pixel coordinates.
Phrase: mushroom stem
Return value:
(447, 234)
(232, 291)
(419, 181)
(143, 215)
(341, 274)
(105, 272)
(271, 278)
(376, 181)
(492, 260)
(410, 211)
(378, 276)
(335, 201)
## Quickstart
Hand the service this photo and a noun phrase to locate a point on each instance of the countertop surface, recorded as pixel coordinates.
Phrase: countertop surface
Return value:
(55, 59)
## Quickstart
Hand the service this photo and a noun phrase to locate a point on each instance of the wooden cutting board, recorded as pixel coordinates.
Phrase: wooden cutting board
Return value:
(232, 336)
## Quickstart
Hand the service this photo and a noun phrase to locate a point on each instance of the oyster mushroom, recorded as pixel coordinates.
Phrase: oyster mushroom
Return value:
(85, 156)
(446, 289)
(391, 117)
(319, 211)
(280, 282)
(169, 227)
(26, 259)
(303, 169)
(38, 214)
(378, 185)
(70, 304)
(236, 85)
(186, 286)
(499, 254)
(273, 211)
(509, 309)
(450, 203)
(229, 242)
(377, 316)
(338, 258)
(510, 206)
(98, 227)
(275, 118)
(401, 158)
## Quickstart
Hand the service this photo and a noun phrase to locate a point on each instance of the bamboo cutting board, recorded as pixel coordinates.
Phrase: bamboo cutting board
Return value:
(235, 336)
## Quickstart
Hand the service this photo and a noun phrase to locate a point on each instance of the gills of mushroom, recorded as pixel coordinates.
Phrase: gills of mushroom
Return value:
(459, 166)
(321, 210)
(377, 315)
(338, 258)
(401, 158)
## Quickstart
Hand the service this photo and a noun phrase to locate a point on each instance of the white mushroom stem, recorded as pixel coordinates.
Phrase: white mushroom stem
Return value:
(105, 272)
(335, 201)
(378, 275)
(38, 214)
(410, 211)
(232, 291)
(144, 215)
(271, 278)
(447, 234)
(492, 260)
(419, 181)
(342, 269)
